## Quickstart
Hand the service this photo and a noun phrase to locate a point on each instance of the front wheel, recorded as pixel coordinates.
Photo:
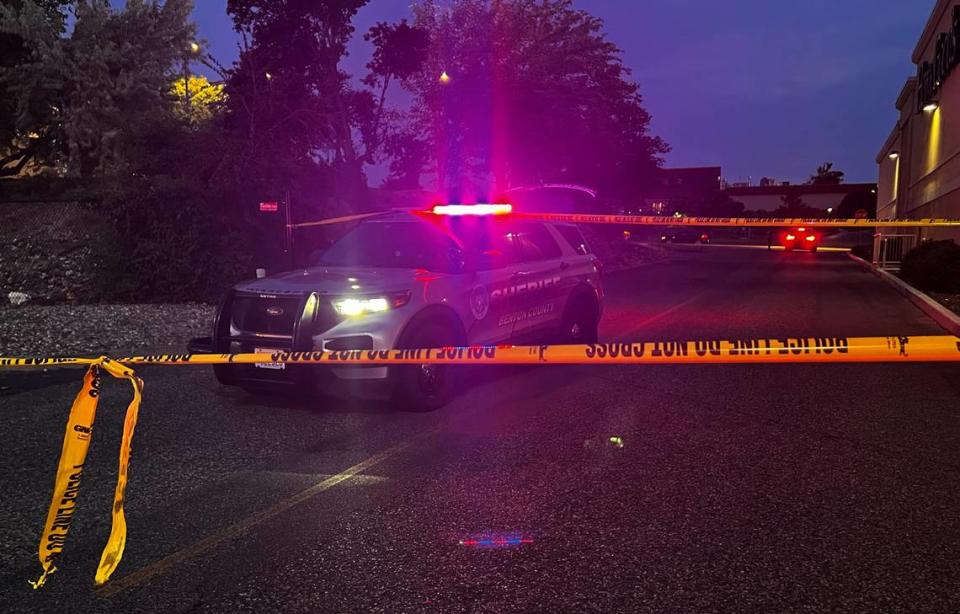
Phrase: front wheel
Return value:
(225, 375)
(426, 387)
(580, 322)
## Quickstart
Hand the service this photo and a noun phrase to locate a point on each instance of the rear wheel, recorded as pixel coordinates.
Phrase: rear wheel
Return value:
(426, 387)
(579, 324)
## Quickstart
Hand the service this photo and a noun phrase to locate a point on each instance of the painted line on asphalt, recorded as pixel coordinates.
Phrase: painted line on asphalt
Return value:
(241, 527)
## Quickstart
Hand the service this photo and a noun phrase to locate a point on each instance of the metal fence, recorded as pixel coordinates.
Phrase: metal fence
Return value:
(889, 249)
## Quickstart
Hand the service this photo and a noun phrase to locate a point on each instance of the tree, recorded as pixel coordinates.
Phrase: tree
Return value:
(206, 99)
(23, 24)
(85, 103)
(854, 201)
(532, 92)
(722, 206)
(794, 206)
(399, 51)
(826, 175)
(291, 111)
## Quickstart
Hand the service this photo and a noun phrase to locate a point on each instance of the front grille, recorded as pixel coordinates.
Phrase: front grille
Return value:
(257, 314)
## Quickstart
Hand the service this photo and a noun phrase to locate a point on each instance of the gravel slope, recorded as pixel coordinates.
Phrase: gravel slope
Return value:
(36, 330)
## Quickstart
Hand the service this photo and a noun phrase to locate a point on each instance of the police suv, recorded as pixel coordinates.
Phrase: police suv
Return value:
(456, 275)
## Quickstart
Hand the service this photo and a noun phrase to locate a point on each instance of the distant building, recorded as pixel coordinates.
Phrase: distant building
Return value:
(679, 189)
(919, 164)
(769, 197)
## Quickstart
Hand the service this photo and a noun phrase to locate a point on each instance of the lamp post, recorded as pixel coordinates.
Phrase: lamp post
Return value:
(193, 50)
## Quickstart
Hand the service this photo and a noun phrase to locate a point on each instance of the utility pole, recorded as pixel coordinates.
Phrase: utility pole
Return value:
(288, 231)
(194, 50)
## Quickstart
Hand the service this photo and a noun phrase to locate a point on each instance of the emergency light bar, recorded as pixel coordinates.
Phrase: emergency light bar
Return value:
(479, 209)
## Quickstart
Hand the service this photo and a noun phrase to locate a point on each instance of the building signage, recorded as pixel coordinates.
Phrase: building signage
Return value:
(931, 75)
(269, 206)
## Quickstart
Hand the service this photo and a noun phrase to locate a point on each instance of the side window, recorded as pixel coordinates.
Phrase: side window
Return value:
(535, 242)
(495, 249)
(574, 237)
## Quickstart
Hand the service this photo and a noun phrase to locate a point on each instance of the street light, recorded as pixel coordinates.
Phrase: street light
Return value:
(930, 107)
(444, 78)
(193, 49)
(829, 210)
(893, 155)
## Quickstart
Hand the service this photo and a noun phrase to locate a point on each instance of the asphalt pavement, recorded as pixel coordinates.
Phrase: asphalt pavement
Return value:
(731, 488)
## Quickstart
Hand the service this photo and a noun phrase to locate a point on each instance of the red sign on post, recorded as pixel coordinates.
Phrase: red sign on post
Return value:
(269, 206)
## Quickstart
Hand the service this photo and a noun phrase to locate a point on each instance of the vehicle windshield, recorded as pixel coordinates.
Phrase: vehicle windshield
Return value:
(395, 245)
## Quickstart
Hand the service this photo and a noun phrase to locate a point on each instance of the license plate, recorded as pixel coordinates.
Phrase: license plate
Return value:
(267, 365)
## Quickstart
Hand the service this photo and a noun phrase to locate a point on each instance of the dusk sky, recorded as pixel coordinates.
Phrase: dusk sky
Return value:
(749, 85)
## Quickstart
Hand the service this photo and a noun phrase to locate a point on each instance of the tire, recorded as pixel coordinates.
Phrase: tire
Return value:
(579, 324)
(225, 375)
(426, 387)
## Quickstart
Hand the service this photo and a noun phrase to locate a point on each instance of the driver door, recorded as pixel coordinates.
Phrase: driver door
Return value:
(492, 296)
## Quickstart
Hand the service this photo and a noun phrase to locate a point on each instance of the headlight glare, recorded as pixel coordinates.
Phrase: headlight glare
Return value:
(355, 306)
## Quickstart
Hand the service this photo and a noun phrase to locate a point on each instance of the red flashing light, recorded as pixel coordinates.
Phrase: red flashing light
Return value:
(790, 238)
(479, 209)
(811, 238)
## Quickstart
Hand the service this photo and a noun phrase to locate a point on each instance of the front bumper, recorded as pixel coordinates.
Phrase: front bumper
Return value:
(315, 327)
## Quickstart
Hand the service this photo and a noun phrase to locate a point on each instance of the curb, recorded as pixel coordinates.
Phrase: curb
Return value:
(947, 319)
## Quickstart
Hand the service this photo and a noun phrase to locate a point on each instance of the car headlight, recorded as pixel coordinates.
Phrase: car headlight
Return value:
(356, 306)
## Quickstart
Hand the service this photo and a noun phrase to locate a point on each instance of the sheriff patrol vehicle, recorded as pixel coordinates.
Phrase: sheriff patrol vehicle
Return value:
(455, 275)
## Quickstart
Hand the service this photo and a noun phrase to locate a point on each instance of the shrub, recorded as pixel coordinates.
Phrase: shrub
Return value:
(934, 266)
(169, 245)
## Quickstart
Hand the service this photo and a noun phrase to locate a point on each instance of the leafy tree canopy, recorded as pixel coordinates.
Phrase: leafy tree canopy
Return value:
(532, 91)
(83, 103)
(291, 111)
(826, 175)
(205, 98)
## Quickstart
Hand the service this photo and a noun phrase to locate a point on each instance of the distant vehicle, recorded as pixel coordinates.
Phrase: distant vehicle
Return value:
(455, 276)
(800, 238)
(685, 235)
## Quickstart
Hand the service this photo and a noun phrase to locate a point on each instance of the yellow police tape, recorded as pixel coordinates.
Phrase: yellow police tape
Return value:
(665, 351)
(66, 488)
(751, 350)
(654, 220)
(337, 220)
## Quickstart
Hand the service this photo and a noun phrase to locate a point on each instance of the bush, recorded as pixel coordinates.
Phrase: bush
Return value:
(170, 245)
(933, 266)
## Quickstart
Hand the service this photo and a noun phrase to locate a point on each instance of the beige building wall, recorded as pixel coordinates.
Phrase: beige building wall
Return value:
(919, 165)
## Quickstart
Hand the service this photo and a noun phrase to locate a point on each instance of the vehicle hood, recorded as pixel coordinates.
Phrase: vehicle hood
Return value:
(334, 281)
